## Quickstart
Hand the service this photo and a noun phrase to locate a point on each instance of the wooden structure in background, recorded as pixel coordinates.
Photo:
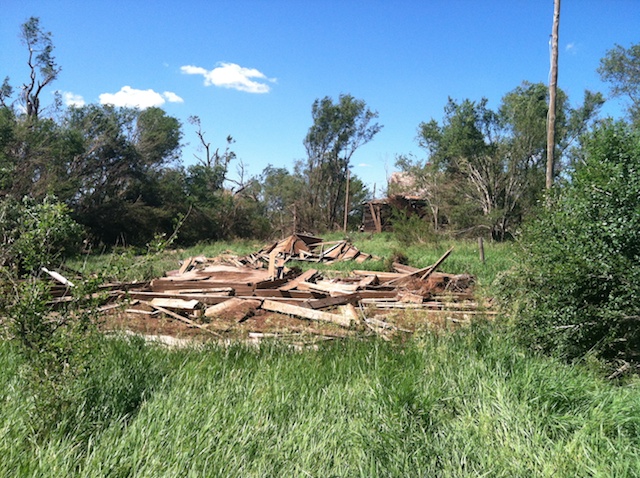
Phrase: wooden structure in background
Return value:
(378, 213)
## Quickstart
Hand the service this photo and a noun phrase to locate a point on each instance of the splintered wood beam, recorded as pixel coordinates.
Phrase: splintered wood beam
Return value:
(186, 264)
(305, 313)
(179, 317)
(236, 308)
(437, 264)
(180, 304)
(292, 284)
(331, 301)
(422, 273)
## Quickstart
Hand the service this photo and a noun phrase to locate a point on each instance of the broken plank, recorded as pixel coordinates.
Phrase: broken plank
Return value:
(190, 323)
(350, 312)
(332, 301)
(332, 287)
(305, 313)
(235, 308)
(422, 273)
(180, 304)
(186, 264)
(436, 265)
(403, 268)
(207, 299)
(383, 276)
(59, 277)
(292, 284)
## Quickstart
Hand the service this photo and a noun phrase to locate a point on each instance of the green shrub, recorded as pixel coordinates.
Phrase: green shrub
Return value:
(413, 229)
(36, 234)
(577, 288)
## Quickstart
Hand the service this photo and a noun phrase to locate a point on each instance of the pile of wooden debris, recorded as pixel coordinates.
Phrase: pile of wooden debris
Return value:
(227, 294)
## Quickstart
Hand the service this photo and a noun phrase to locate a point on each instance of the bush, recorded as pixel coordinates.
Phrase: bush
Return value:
(36, 234)
(577, 288)
(411, 228)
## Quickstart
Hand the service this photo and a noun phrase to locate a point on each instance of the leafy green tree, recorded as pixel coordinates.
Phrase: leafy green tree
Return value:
(485, 168)
(338, 130)
(577, 283)
(124, 152)
(281, 193)
(620, 67)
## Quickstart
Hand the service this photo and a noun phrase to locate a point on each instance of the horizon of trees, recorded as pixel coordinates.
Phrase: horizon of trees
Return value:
(119, 170)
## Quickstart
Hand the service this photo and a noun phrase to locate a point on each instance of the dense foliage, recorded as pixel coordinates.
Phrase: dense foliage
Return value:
(620, 67)
(578, 283)
(485, 168)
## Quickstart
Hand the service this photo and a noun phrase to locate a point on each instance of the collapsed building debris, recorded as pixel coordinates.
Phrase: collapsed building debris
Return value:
(222, 294)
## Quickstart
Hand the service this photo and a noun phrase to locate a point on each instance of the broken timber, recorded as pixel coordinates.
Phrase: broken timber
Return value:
(305, 313)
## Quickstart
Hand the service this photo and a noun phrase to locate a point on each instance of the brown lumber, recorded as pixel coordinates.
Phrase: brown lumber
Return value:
(422, 273)
(191, 323)
(292, 284)
(186, 264)
(437, 264)
(350, 312)
(180, 304)
(332, 287)
(305, 313)
(234, 307)
(403, 268)
(332, 301)
(385, 276)
(207, 299)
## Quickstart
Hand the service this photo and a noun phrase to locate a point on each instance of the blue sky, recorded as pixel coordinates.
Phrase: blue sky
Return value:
(252, 69)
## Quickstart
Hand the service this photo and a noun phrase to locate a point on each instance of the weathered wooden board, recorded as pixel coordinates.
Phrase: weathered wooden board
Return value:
(305, 313)
(234, 308)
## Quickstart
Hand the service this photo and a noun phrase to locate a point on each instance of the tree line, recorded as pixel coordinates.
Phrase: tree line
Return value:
(119, 170)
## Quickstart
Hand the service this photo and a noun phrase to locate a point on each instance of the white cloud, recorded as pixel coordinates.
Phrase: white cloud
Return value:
(130, 97)
(230, 75)
(364, 165)
(571, 48)
(172, 97)
(71, 99)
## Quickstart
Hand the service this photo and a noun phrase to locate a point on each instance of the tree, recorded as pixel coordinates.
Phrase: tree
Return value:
(466, 149)
(485, 168)
(280, 193)
(123, 155)
(620, 67)
(338, 130)
(43, 68)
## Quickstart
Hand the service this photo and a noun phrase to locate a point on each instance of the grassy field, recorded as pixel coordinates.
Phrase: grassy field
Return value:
(470, 403)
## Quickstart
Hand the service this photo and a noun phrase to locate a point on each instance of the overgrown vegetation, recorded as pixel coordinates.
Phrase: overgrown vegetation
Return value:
(577, 286)
(478, 401)
(461, 404)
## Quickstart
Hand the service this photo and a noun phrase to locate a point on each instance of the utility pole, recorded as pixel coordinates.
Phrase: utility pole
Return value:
(553, 87)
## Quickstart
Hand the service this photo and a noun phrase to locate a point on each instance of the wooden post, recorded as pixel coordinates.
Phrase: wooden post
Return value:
(346, 203)
(481, 249)
(295, 219)
(553, 87)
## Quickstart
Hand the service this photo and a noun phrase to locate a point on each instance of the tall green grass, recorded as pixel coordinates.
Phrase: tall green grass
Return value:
(470, 403)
